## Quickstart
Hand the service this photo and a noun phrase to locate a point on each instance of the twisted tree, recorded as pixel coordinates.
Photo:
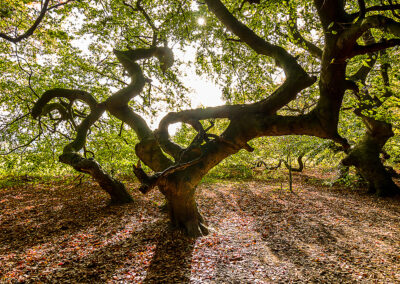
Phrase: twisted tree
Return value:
(348, 31)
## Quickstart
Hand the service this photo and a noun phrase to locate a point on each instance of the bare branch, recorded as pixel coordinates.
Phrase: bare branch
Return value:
(22, 146)
(147, 17)
(149, 182)
(29, 73)
(14, 121)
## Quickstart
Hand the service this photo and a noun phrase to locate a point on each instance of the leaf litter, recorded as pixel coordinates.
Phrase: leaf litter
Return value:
(57, 232)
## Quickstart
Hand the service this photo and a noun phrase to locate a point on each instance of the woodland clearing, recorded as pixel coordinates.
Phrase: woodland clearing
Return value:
(55, 231)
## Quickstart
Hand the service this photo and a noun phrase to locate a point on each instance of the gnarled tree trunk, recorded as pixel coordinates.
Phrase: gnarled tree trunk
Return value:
(113, 187)
(183, 212)
(365, 156)
(179, 172)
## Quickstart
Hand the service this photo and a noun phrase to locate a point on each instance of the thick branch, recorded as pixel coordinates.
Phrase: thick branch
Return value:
(63, 93)
(149, 182)
(147, 150)
(113, 187)
(48, 108)
(330, 11)
(189, 116)
(364, 49)
(82, 130)
(259, 45)
(362, 73)
(363, 10)
(128, 59)
(358, 29)
(378, 8)
(268, 106)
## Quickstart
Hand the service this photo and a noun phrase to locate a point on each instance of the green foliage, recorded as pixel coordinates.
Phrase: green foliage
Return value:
(72, 48)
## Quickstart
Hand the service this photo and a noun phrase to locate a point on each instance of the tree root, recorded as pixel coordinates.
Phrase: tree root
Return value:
(196, 229)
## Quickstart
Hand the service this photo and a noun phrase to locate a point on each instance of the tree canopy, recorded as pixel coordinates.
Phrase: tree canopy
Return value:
(83, 78)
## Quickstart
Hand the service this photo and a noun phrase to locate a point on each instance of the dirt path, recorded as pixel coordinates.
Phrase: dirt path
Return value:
(55, 232)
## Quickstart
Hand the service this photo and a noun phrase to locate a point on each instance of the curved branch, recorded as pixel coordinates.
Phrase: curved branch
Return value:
(113, 187)
(299, 40)
(191, 116)
(147, 150)
(116, 189)
(356, 30)
(48, 108)
(259, 45)
(128, 59)
(266, 107)
(378, 8)
(299, 161)
(63, 93)
(260, 163)
(30, 31)
(82, 130)
(35, 25)
(297, 78)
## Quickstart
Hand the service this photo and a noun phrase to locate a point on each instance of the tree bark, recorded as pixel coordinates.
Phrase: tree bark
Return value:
(115, 188)
(179, 190)
(365, 156)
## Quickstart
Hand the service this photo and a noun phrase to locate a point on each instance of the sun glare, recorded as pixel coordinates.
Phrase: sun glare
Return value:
(201, 21)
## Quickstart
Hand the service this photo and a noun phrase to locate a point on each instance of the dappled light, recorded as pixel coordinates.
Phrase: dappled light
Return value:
(211, 141)
(56, 230)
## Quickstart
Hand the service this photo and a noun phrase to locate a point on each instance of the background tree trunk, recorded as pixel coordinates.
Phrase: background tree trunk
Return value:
(365, 156)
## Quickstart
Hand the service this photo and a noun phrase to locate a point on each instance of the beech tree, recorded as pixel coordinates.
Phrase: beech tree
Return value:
(326, 49)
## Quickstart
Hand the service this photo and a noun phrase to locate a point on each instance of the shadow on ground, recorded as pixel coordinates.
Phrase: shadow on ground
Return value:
(60, 233)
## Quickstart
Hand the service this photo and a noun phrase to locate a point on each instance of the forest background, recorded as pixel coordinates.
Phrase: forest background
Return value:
(99, 103)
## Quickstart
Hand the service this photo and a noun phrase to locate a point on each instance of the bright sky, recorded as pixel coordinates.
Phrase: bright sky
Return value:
(204, 92)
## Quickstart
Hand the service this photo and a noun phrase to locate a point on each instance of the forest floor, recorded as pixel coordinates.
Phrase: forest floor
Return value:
(60, 232)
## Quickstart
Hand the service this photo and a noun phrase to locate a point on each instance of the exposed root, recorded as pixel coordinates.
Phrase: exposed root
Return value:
(196, 229)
